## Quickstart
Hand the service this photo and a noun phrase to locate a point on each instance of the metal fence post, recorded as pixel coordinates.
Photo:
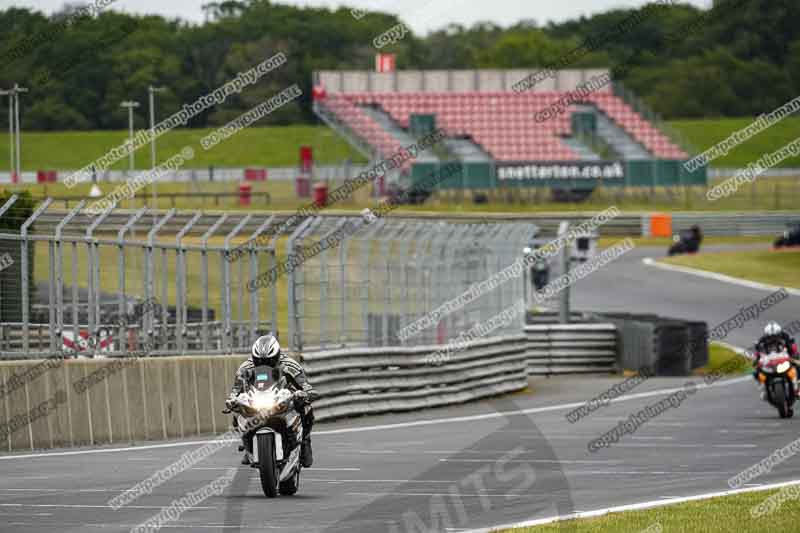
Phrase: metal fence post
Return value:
(25, 275)
(94, 281)
(150, 270)
(121, 305)
(181, 315)
(323, 282)
(563, 310)
(204, 264)
(59, 268)
(366, 253)
(252, 252)
(294, 332)
(227, 307)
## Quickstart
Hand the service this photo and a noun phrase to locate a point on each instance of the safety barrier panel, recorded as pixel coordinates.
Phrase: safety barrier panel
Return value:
(571, 348)
(380, 380)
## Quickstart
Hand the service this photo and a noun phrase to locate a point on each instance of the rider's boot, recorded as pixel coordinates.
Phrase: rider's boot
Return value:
(306, 455)
(248, 451)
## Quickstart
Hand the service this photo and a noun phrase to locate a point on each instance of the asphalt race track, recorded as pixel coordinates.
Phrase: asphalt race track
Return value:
(483, 464)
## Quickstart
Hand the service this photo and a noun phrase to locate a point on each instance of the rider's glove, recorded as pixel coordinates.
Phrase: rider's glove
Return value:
(301, 396)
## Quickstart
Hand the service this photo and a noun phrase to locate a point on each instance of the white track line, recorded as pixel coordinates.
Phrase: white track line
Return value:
(649, 261)
(403, 425)
(633, 507)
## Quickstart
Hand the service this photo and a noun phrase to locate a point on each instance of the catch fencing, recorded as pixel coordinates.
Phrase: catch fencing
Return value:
(388, 273)
(175, 283)
(88, 287)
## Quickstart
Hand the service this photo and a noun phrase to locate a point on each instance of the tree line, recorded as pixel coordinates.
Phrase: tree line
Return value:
(741, 59)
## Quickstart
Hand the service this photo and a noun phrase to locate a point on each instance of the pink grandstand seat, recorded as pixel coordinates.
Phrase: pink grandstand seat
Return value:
(502, 122)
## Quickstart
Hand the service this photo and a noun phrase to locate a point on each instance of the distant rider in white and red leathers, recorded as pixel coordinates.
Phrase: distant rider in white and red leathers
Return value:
(774, 336)
(267, 351)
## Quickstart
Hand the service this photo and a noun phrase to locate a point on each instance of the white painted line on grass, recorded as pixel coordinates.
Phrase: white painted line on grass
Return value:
(649, 261)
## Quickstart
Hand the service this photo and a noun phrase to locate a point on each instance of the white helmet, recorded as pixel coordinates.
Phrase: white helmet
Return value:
(266, 351)
(772, 329)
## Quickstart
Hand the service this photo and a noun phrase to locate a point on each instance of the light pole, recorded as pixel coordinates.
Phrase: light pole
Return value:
(10, 93)
(152, 93)
(17, 89)
(131, 106)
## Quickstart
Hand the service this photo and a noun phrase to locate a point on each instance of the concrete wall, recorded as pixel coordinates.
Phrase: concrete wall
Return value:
(143, 399)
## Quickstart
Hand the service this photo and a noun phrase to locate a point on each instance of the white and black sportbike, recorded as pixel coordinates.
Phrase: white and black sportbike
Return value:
(272, 429)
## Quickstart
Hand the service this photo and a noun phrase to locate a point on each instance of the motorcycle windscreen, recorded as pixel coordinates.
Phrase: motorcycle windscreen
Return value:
(265, 377)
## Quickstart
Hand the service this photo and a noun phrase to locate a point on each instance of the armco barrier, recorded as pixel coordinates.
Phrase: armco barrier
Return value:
(160, 398)
(571, 348)
(379, 380)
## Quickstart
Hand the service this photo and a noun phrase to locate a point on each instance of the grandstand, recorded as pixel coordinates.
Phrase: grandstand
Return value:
(504, 132)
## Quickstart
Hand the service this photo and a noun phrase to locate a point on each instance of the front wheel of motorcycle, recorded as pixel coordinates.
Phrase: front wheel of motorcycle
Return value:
(291, 485)
(781, 402)
(267, 466)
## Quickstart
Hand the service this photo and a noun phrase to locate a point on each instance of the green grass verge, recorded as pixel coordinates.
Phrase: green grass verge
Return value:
(269, 146)
(721, 359)
(780, 268)
(715, 515)
(703, 134)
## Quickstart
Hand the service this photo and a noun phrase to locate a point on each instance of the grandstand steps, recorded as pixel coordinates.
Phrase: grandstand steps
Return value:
(617, 138)
(467, 150)
(330, 119)
(395, 130)
(584, 152)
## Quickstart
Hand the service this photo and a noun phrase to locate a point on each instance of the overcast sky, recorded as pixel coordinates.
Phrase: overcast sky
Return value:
(421, 15)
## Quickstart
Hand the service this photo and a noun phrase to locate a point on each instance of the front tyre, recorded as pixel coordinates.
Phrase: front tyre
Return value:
(291, 485)
(779, 396)
(267, 466)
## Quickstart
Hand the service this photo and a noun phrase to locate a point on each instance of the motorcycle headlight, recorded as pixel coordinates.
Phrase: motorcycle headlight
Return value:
(526, 250)
(783, 367)
(263, 404)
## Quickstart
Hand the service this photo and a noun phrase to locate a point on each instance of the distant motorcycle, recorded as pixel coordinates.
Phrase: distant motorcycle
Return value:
(265, 412)
(791, 237)
(778, 374)
(686, 241)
